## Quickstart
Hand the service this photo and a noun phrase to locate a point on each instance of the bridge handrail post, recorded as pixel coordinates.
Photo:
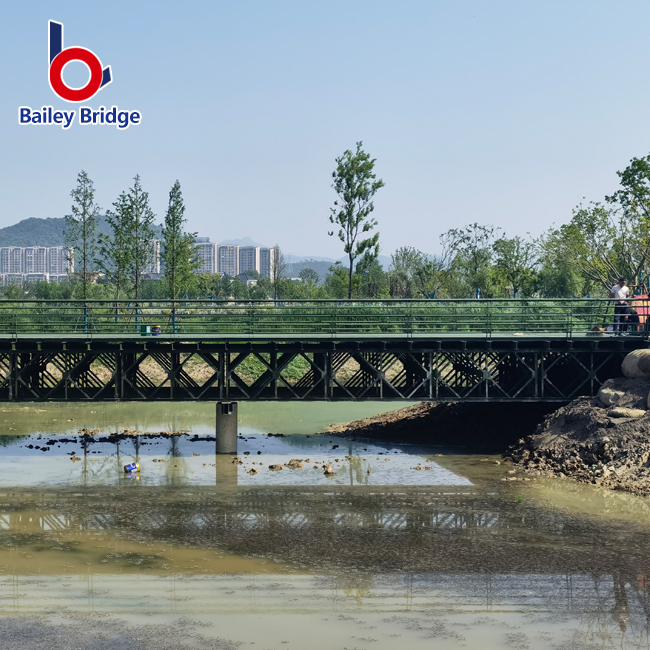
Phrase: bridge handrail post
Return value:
(488, 323)
(174, 324)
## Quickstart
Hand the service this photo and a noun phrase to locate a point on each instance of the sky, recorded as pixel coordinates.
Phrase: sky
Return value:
(498, 112)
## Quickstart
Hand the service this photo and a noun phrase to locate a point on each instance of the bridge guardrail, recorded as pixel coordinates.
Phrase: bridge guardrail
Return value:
(485, 317)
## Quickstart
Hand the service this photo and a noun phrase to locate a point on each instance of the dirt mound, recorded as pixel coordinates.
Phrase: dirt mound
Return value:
(492, 425)
(605, 440)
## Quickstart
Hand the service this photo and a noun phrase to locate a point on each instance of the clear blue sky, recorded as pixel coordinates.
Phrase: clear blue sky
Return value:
(502, 112)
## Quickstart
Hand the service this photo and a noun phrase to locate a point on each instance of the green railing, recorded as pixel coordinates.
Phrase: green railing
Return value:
(316, 317)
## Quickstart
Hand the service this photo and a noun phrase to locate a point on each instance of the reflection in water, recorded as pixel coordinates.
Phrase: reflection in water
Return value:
(435, 554)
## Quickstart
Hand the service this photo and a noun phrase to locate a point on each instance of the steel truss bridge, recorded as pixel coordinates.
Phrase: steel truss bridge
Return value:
(478, 350)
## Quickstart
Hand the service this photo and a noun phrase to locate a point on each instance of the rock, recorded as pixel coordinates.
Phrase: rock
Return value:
(253, 471)
(497, 462)
(328, 470)
(275, 468)
(294, 463)
(607, 395)
(636, 364)
(619, 412)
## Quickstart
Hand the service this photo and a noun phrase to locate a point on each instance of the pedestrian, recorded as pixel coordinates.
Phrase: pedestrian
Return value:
(620, 293)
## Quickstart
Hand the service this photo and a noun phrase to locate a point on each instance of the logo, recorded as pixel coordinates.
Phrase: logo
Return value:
(59, 57)
(100, 76)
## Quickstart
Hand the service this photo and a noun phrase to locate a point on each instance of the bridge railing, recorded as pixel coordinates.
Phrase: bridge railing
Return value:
(264, 318)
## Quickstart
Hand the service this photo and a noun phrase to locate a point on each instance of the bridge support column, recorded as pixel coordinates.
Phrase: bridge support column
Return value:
(226, 427)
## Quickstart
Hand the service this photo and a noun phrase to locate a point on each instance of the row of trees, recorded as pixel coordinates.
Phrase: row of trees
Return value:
(602, 242)
(121, 257)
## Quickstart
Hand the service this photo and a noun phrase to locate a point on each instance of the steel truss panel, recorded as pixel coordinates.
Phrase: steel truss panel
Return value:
(436, 370)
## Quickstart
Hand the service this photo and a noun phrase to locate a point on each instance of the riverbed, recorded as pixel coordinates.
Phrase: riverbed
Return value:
(400, 545)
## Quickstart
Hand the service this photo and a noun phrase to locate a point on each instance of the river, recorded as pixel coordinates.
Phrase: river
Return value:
(403, 546)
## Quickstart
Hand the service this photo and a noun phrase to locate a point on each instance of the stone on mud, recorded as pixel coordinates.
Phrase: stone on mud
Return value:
(607, 395)
(636, 364)
(619, 412)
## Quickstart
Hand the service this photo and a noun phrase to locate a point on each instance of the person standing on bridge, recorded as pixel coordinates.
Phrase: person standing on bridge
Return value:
(620, 293)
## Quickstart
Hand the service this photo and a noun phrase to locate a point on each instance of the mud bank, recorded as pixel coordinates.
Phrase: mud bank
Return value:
(474, 425)
(604, 441)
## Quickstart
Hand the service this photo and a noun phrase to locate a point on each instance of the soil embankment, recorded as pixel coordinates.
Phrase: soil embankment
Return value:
(605, 440)
(491, 425)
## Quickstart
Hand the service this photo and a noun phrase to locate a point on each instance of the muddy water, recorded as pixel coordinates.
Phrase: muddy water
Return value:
(197, 551)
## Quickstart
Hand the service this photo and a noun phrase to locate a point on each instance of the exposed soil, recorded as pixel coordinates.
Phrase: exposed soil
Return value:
(590, 442)
(491, 425)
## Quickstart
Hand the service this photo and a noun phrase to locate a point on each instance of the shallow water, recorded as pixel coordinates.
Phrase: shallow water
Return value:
(377, 555)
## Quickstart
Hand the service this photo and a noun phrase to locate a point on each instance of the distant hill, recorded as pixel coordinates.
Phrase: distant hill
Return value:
(34, 232)
(44, 232)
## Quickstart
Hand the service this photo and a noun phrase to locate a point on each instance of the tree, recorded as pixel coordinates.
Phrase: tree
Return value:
(141, 234)
(115, 250)
(278, 268)
(81, 231)
(471, 251)
(178, 254)
(516, 263)
(603, 243)
(355, 184)
(309, 275)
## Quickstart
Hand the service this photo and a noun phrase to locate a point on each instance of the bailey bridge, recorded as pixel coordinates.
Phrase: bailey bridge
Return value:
(226, 351)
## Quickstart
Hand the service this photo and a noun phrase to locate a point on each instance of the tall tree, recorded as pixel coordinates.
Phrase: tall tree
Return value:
(178, 254)
(81, 231)
(278, 267)
(141, 233)
(356, 184)
(115, 249)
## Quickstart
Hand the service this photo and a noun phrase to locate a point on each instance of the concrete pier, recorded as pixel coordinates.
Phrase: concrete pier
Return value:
(226, 427)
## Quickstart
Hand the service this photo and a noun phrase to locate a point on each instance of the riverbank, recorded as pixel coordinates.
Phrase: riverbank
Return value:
(492, 425)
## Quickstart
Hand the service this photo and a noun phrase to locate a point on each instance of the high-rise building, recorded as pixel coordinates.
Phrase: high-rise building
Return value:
(267, 258)
(207, 253)
(152, 269)
(58, 260)
(249, 258)
(228, 259)
(35, 260)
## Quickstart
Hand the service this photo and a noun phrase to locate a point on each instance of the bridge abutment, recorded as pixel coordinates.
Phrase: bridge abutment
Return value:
(226, 427)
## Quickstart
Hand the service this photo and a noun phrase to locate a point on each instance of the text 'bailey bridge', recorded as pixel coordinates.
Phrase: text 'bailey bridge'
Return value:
(215, 350)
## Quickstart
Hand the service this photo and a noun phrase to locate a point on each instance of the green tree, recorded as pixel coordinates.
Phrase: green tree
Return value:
(471, 256)
(603, 243)
(355, 184)
(115, 248)
(178, 254)
(416, 274)
(308, 275)
(516, 263)
(81, 231)
(278, 269)
(141, 233)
